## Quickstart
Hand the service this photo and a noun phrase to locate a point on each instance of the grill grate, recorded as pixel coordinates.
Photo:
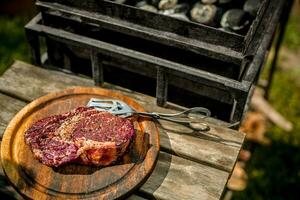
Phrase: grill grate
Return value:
(220, 68)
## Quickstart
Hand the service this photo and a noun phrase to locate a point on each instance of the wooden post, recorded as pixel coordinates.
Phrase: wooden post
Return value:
(34, 46)
(240, 102)
(282, 26)
(161, 87)
(55, 53)
(97, 68)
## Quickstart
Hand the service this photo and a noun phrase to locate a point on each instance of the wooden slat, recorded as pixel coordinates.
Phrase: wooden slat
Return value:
(177, 178)
(28, 82)
(119, 52)
(219, 147)
(8, 108)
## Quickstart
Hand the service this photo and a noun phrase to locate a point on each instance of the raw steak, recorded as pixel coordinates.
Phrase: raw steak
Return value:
(83, 135)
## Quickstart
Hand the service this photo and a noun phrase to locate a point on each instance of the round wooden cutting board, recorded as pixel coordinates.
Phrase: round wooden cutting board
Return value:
(37, 181)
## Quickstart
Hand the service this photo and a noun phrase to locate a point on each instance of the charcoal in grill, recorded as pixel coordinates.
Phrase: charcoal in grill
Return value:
(179, 11)
(208, 12)
(147, 7)
(235, 20)
(119, 1)
(164, 4)
(225, 2)
(252, 7)
(182, 8)
(209, 1)
(204, 14)
(141, 3)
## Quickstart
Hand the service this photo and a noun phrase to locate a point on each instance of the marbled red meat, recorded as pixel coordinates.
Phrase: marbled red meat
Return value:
(83, 135)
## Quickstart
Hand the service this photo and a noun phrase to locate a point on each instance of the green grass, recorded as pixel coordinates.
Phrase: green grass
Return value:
(13, 44)
(292, 39)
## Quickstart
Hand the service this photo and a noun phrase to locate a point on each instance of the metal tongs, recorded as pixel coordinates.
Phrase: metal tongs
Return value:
(190, 116)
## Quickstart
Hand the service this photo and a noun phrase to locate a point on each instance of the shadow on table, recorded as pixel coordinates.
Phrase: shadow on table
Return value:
(161, 169)
(205, 135)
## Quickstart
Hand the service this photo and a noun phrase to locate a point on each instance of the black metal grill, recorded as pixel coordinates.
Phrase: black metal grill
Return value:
(178, 60)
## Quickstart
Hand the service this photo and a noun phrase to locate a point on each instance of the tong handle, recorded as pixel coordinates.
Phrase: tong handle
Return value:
(187, 111)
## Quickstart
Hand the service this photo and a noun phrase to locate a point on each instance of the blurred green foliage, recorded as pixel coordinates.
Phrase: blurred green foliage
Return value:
(13, 44)
(292, 38)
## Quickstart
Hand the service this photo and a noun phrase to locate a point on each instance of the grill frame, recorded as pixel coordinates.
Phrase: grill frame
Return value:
(239, 91)
(166, 24)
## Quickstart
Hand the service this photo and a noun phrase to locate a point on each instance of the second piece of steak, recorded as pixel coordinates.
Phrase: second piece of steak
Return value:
(84, 135)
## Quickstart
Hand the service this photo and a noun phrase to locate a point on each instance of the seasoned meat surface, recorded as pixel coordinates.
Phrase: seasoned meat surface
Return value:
(83, 135)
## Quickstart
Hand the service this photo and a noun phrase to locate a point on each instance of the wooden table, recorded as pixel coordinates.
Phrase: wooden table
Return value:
(190, 166)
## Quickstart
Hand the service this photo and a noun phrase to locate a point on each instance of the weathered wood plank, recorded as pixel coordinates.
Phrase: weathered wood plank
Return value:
(211, 148)
(28, 82)
(8, 108)
(118, 52)
(177, 178)
(219, 147)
